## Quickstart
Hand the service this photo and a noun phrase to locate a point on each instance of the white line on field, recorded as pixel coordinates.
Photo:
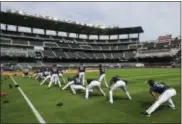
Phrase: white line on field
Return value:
(34, 110)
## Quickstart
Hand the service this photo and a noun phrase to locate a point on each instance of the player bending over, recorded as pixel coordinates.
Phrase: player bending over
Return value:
(102, 74)
(71, 81)
(118, 83)
(47, 75)
(54, 76)
(92, 83)
(166, 93)
(75, 84)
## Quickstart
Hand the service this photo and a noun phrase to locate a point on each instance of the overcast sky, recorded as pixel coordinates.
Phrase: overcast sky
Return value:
(156, 18)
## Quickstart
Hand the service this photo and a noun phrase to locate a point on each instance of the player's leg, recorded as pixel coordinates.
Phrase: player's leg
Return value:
(51, 81)
(62, 78)
(113, 87)
(171, 103)
(126, 92)
(105, 81)
(88, 88)
(67, 85)
(162, 98)
(101, 90)
(58, 81)
(47, 77)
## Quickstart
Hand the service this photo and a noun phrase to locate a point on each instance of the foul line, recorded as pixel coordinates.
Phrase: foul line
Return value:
(34, 110)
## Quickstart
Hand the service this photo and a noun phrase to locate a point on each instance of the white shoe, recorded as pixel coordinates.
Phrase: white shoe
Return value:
(111, 102)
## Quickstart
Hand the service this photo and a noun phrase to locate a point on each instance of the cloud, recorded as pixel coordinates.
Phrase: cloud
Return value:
(156, 18)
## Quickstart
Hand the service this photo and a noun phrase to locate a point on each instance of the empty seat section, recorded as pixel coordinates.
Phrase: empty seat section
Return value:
(129, 55)
(48, 53)
(75, 46)
(60, 54)
(108, 55)
(81, 55)
(114, 47)
(36, 43)
(90, 55)
(5, 41)
(117, 55)
(105, 47)
(95, 47)
(20, 42)
(71, 55)
(31, 53)
(99, 55)
(122, 47)
(86, 47)
(63, 45)
(50, 44)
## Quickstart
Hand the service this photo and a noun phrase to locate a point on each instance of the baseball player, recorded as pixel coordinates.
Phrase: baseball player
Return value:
(166, 93)
(118, 83)
(71, 81)
(54, 76)
(75, 84)
(61, 75)
(92, 83)
(81, 70)
(47, 75)
(102, 74)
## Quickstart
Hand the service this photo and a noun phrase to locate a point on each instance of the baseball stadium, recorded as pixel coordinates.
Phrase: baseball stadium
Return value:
(73, 72)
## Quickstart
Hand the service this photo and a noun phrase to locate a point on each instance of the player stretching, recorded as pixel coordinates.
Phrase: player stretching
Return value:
(61, 75)
(118, 83)
(71, 81)
(166, 93)
(82, 74)
(92, 83)
(75, 84)
(102, 74)
(47, 75)
(54, 76)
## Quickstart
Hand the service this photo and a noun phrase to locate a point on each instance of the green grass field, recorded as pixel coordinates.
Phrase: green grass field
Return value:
(76, 109)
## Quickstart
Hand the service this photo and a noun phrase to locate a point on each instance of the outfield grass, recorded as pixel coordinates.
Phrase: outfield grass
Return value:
(76, 109)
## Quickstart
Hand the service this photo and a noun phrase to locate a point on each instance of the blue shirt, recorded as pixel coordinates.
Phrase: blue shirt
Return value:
(81, 69)
(159, 88)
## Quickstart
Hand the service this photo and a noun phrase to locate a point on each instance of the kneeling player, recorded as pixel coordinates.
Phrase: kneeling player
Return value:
(92, 83)
(166, 93)
(118, 83)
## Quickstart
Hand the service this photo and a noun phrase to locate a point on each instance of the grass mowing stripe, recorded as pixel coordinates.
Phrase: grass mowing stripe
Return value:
(34, 110)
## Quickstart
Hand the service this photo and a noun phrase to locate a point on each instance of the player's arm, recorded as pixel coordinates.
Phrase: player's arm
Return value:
(153, 94)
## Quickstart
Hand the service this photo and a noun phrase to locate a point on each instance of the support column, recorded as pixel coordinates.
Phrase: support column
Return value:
(98, 37)
(78, 36)
(6, 26)
(129, 36)
(57, 33)
(109, 36)
(31, 30)
(17, 28)
(68, 34)
(44, 31)
(118, 36)
(138, 36)
(88, 36)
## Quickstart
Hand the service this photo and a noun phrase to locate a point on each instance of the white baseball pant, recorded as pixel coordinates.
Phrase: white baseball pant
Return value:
(164, 97)
(47, 77)
(54, 79)
(61, 75)
(39, 75)
(68, 84)
(119, 84)
(82, 77)
(92, 85)
(78, 87)
(103, 77)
